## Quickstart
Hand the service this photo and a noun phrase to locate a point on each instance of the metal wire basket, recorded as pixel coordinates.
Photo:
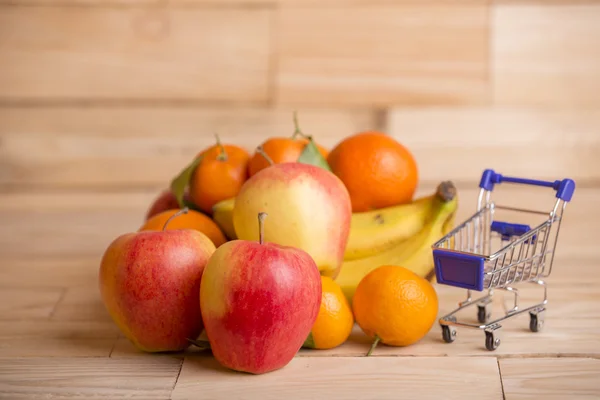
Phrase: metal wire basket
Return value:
(483, 253)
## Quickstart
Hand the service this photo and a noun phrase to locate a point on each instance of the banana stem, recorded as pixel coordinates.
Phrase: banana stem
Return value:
(446, 191)
(375, 343)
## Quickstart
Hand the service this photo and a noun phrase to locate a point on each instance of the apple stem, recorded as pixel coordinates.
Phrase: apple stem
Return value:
(297, 130)
(375, 343)
(223, 155)
(261, 151)
(261, 227)
(184, 210)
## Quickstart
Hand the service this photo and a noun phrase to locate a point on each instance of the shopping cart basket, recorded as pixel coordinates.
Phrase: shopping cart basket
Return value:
(487, 253)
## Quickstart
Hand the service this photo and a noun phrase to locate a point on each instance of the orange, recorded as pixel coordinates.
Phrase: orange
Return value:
(281, 150)
(219, 176)
(235, 153)
(377, 170)
(190, 220)
(395, 306)
(335, 320)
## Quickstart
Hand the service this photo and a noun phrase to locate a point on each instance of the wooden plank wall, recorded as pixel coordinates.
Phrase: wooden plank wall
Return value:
(118, 95)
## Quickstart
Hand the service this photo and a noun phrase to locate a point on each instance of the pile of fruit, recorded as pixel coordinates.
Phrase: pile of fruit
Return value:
(285, 247)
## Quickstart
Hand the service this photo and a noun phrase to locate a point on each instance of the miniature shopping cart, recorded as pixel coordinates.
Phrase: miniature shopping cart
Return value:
(491, 251)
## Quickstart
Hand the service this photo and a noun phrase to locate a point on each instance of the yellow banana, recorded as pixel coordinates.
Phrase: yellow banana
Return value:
(375, 231)
(414, 253)
(223, 216)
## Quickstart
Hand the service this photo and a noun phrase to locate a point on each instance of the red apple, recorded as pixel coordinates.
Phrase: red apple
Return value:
(259, 302)
(166, 200)
(150, 283)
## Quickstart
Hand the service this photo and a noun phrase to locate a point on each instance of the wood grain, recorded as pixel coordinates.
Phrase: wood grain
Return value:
(66, 329)
(133, 53)
(375, 378)
(129, 148)
(95, 230)
(27, 303)
(242, 3)
(551, 378)
(50, 347)
(82, 303)
(417, 54)
(27, 271)
(88, 378)
(544, 2)
(141, 147)
(37, 338)
(461, 143)
(547, 55)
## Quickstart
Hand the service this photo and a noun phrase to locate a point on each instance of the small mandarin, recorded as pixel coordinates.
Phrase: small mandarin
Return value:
(395, 306)
(335, 320)
(281, 150)
(219, 176)
(189, 220)
(235, 153)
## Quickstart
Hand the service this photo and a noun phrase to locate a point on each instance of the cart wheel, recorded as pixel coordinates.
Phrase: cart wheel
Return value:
(483, 313)
(491, 341)
(448, 333)
(536, 320)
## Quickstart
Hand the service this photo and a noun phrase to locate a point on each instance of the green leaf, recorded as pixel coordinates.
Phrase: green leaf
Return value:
(311, 155)
(181, 181)
(191, 205)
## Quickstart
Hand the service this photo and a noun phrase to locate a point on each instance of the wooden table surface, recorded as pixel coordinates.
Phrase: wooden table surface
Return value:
(57, 341)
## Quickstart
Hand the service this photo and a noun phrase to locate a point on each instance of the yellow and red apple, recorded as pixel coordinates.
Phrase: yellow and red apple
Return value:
(259, 302)
(150, 283)
(309, 208)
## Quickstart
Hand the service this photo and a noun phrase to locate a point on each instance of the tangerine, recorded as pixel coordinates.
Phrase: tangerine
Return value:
(236, 154)
(219, 176)
(377, 170)
(335, 320)
(281, 150)
(395, 306)
(188, 220)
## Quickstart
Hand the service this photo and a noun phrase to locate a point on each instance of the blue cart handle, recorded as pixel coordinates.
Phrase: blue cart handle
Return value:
(564, 188)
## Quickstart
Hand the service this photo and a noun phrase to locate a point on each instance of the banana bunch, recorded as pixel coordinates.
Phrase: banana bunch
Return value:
(400, 235)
